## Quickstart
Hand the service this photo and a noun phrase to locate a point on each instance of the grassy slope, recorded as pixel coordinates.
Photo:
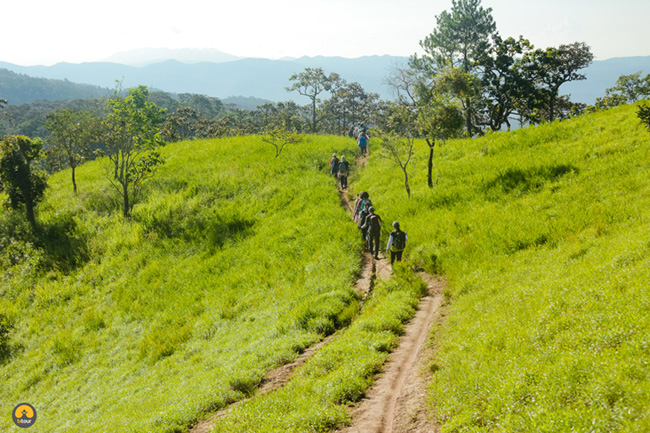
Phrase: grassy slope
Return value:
(544, 235)
(232, 264)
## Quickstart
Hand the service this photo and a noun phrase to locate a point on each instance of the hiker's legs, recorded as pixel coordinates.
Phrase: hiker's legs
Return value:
(373, 243)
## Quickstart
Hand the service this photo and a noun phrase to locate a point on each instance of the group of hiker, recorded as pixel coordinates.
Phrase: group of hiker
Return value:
(340, 168)
(361, 134)
(368, 221)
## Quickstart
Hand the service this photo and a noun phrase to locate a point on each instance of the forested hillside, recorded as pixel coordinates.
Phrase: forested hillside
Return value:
(23, 89)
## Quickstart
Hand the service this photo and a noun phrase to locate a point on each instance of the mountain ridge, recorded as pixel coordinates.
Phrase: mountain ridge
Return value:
(267, 78)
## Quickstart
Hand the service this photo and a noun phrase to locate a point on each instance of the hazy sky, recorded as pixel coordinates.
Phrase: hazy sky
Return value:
(51, 31)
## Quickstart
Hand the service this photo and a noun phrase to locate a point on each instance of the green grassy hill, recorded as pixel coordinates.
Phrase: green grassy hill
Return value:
(544, 234)
(236, 261)
(233, 263)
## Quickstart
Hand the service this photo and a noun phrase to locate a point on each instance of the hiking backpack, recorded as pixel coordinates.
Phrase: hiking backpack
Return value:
(373, 223)
(399, 240)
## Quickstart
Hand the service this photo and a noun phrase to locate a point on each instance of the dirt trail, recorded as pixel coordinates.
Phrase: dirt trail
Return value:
(397, 401)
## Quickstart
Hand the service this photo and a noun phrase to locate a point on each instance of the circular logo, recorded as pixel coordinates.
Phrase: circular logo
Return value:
(24, 415)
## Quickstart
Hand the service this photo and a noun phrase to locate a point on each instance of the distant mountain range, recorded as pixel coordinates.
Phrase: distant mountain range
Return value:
(266, 79)
(149, 56)
(259, 78)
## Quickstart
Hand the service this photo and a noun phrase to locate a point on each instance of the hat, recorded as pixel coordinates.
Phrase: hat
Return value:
(371, 209)
(396, 224)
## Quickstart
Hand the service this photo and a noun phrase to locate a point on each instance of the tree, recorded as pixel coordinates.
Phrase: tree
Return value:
(280, 125)
(24, 184)
(504, 83)
(460, 39)
(350, 104)
(133, 141)
(632, 87)
(181, 124)
(312, 83)
(553, 67)
(438, 118)
(73, 133)
(397, 138)
(643, 113)
(279, 136)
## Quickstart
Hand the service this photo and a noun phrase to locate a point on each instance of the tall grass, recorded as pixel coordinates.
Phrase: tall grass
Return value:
(544, 235)
(233, 263)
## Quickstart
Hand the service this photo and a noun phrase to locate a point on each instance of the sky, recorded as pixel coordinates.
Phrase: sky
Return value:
(45, 32)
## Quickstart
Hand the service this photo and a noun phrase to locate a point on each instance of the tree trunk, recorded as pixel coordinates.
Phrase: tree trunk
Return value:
(406, 183)
(468, 118)
(74, 181)
(125, 194)
(430, 163)
(29, 210)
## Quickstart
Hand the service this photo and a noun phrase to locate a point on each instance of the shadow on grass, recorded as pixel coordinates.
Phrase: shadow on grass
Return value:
(528, 180)
(64, 246)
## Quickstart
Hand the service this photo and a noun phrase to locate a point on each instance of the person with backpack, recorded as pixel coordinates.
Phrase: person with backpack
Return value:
(373, 224)
(334, 165)
(363, 202)
(363, 144)
(396, 243)
(344, 170)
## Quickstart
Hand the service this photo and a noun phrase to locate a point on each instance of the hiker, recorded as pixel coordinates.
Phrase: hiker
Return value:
(363, 144)
(363, 202)
(396, 243)
(373, 224)
(334, 165)
(344, 170)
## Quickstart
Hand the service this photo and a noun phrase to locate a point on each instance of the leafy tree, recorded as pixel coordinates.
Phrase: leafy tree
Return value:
(504, 83)
(181, 124)
(433, 100)
(552, 67)
(643, 113)
(23, 183)
(312, 83)
(73, 133)
(438, 118)
(460, 39)
(350, 104)
(133, 143)
(206, 107)
(631, 87)
(282, 113)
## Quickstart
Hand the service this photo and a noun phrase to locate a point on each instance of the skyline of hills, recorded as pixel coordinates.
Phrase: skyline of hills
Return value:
(267, 79)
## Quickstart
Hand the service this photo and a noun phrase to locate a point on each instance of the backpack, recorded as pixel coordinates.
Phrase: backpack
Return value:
(363, 141)
(343, 167)
(399, 240)
(334, 165)
(373, 223)
(365, 204)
